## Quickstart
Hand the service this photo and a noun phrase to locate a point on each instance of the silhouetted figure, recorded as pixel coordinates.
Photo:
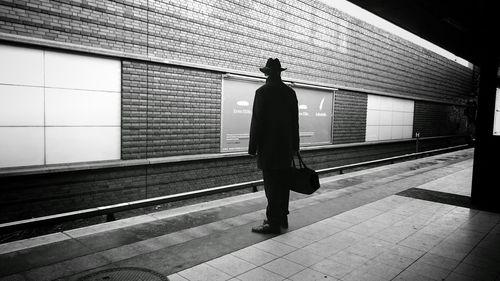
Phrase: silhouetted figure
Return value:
(274, 138)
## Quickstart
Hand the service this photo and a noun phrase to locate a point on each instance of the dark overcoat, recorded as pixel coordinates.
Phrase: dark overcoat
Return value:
(274, 129)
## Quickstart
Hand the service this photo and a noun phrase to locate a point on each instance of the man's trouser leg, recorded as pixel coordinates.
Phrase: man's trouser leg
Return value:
(277, 194)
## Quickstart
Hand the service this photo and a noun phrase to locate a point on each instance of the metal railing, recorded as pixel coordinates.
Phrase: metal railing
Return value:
(111, 209)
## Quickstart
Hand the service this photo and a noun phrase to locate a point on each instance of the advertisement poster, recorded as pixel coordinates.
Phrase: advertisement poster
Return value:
(496, 122)
(237, 102)
(315, 114)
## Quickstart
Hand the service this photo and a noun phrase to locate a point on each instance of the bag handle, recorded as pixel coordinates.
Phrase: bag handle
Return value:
(301, 162)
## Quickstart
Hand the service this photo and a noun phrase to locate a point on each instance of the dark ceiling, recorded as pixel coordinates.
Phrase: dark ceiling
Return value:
(469, 29)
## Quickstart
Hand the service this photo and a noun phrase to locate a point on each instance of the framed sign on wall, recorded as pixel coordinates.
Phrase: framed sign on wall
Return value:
(315, 113)
(496, 122)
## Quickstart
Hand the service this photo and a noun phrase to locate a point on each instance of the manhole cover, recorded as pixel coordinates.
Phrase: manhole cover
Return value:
(124, 274)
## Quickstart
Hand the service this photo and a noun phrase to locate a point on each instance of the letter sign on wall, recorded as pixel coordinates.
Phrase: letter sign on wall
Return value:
(237, 102)
(496, 123)
(315, 114)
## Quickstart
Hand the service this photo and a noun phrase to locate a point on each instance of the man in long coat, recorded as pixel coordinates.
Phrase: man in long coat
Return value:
(274, 138)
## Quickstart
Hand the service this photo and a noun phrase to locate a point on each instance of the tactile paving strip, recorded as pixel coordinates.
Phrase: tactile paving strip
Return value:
(124, 274)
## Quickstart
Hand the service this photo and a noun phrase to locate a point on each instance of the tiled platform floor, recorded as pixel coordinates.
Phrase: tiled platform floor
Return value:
(355, 228)
(396, 238)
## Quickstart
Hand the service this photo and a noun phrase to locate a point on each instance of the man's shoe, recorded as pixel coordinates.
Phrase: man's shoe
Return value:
(266, 229)
(284, 223)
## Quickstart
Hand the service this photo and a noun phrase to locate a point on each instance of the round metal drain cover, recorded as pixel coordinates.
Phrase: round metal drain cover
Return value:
(124, 274)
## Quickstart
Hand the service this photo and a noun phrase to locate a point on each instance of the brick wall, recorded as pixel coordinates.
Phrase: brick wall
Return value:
(349, 123)
(134, 110)
(113, 25)
(43, 194)
(169, 110)
(194, 175)
(183, 111)
(316, 42)
(434, 119)
(343, 50)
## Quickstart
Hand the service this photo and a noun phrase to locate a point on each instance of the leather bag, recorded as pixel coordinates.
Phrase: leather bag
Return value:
(305, 180)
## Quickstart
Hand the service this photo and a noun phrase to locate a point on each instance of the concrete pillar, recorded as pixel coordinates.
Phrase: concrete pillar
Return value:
(486, 170)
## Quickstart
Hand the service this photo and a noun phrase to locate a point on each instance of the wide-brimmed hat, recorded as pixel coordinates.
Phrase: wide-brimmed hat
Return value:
(272, 65)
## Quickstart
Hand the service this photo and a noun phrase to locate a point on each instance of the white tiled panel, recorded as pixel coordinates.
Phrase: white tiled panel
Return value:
(372, 133)
(80, 144)
(65, 107)
(388, 118)
(398, 104)
(408, 106)
(372, 117)
(58, 107)
(21, 66)
(397, 118)
(73, 71)
(407, 118)
(385, 118)
(386, 103)
(407, 131)
(21, 106)
(373, 102)
(385, 132)
(21, 146)
(396, 132)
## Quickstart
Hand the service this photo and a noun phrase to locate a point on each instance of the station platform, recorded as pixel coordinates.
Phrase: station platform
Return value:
(406, 221)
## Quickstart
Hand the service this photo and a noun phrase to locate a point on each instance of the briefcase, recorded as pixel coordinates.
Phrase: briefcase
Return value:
(305, 180)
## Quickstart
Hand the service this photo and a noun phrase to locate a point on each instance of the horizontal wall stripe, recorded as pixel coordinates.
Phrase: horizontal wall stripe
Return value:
(62, 168)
